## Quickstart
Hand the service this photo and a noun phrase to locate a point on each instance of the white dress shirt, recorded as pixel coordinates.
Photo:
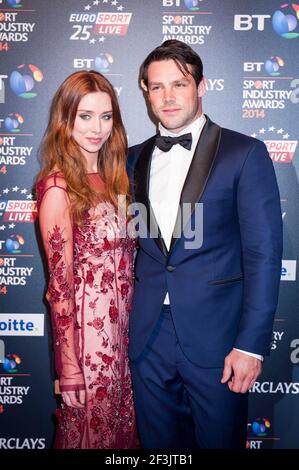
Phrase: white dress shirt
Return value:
(167, 176)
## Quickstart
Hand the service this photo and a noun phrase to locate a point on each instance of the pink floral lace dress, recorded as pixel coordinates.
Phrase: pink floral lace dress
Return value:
(89, 291)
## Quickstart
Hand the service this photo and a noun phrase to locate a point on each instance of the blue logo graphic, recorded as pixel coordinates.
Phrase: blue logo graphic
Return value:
(285, 24)
(261, 426)
(273, 65)
(13, 243)
(191, 4)
(22, 85)
(11, 361)
(15, 3)
(13, 121)
(102, 62)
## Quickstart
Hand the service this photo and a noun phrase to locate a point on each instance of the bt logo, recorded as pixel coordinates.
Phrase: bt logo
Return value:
(190, 4)
(15, 3)
(285, 24)
(260, 427)
(22, 85)
(100, 64)
(13, 121)
(10, 363)
(246, 22)
(273, 64)
(14, 243)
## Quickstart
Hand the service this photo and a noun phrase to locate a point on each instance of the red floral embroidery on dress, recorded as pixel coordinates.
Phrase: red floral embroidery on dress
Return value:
(60, 295)
(59, 287)
(101, 292)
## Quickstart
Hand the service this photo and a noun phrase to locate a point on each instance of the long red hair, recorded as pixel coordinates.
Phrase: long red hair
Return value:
(60, 152)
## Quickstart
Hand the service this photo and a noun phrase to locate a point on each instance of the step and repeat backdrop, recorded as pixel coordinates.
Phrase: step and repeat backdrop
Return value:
(250, 52)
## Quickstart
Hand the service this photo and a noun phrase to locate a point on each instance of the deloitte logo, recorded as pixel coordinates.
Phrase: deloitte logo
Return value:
(21, 324)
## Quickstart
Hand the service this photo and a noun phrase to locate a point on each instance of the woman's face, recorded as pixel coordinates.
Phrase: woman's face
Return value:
(93, 123)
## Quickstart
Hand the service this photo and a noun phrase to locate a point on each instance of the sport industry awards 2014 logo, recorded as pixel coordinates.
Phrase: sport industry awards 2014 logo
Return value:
(182, 20)
(15, 27)
(12, 153)
(267, 86)
(12, 392)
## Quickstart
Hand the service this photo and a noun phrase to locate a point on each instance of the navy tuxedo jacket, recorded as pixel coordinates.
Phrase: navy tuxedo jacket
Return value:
(224, 293)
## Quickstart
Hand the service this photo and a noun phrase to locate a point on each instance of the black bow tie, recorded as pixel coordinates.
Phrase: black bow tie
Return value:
(165, 142)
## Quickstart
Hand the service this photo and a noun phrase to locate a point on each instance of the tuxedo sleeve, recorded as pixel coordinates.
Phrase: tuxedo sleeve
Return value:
(260, 223)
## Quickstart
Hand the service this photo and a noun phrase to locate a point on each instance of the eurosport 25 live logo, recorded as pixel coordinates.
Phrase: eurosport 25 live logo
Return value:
(98, 20)
(284, 21)
(280, 145)
(16, 206)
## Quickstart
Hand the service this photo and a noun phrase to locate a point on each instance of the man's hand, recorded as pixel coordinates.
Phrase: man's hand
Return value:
(74, 399)
(240, 371)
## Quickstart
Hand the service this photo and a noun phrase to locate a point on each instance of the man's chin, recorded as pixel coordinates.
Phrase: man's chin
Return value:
(172, 126)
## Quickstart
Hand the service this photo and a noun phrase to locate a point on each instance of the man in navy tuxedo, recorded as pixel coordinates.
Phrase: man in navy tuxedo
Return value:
(203, 307)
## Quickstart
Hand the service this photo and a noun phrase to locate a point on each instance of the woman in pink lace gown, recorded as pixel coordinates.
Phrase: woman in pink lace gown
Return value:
(90, 260)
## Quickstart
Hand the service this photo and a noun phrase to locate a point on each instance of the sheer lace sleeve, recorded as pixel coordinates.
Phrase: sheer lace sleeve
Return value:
(57, 235)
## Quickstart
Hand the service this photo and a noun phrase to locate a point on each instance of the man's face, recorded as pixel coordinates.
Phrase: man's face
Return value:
(175, 99)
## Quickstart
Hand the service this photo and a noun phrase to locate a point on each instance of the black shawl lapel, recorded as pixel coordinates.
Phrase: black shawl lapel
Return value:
(199, 171)
(141, 191)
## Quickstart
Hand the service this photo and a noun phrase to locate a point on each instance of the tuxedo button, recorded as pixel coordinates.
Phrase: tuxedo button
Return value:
(170, 268)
